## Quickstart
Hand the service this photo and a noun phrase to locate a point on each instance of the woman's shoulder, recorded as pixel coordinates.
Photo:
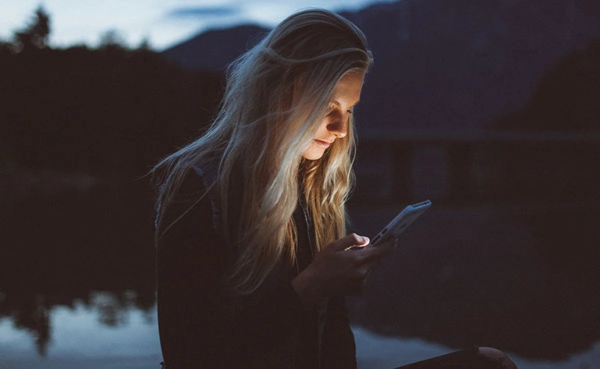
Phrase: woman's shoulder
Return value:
(196, 182)
(195, 197)
(206, 171)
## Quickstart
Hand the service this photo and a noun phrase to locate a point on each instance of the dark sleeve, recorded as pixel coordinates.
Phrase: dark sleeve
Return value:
(339, 350)
(200, 327)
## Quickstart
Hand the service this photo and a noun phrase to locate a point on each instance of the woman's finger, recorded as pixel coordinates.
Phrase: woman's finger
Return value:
(349, 241)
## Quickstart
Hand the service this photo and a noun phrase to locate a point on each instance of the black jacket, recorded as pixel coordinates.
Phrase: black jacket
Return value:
(201, 327)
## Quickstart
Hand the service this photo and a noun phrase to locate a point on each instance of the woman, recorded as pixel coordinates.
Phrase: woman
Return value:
(253, 257)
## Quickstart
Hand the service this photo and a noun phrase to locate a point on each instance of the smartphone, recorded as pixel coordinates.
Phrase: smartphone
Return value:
(404, 218)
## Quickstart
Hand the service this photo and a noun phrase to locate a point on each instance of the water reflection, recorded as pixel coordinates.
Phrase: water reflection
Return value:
(520, 276)
(81, 340)
(58, 249)
(31, 316)
(32, 313)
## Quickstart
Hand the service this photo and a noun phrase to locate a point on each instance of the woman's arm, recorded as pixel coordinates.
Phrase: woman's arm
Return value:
(200, 325)
(339, 350)
(190, 263)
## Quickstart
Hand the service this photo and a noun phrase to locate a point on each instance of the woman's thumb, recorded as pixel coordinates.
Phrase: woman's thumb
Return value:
(349, 241)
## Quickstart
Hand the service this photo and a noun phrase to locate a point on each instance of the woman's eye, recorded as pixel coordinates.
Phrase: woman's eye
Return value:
(335, 110)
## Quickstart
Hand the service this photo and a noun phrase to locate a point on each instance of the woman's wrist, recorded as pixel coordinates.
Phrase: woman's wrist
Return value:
(308, 290)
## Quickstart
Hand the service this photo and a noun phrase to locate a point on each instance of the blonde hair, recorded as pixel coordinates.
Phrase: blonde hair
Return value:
(276, 96)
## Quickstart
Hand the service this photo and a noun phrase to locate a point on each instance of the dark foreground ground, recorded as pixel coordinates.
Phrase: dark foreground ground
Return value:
(76, 283)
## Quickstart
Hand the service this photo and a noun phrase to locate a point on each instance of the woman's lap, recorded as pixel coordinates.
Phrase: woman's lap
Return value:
(476, 358)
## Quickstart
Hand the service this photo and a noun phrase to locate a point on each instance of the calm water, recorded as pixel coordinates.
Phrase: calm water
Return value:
(76, 283)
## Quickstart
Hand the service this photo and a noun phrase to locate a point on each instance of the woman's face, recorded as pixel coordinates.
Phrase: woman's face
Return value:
(345, 96)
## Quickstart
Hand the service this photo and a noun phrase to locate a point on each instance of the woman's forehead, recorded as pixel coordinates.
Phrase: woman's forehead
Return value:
(347, 90)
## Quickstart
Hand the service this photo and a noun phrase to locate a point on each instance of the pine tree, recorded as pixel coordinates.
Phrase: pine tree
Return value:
(34, 36)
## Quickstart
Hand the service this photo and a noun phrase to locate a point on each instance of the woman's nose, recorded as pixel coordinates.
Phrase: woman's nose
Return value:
(339, 126)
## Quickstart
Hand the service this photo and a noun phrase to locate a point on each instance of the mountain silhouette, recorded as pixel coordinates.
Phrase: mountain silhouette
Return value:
(214, 49)
(439, 65)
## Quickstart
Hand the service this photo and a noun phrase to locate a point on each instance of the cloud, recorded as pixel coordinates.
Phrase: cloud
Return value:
(202, 12)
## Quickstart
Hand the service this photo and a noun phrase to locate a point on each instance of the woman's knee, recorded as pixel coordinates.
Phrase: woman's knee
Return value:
(499, 358)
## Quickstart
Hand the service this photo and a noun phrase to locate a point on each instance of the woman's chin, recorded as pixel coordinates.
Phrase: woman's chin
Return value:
(313, 154)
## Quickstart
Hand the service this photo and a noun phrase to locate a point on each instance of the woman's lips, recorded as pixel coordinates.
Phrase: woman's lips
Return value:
(323, 143)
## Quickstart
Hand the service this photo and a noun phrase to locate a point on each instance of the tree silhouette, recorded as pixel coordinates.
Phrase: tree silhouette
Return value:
(35, 35)
(112, 38)
(107, 111)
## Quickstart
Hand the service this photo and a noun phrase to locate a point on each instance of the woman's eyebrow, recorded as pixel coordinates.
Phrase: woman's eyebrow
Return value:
(335, 102)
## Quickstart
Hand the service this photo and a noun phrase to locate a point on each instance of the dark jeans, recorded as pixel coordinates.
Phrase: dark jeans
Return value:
(476, 358)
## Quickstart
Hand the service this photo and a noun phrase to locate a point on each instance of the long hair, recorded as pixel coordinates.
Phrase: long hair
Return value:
(277, 94)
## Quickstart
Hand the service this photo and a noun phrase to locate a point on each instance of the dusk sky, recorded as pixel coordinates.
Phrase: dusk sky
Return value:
(160, 22)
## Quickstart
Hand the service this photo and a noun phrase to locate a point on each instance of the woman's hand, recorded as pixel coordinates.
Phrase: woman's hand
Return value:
(339, 269)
